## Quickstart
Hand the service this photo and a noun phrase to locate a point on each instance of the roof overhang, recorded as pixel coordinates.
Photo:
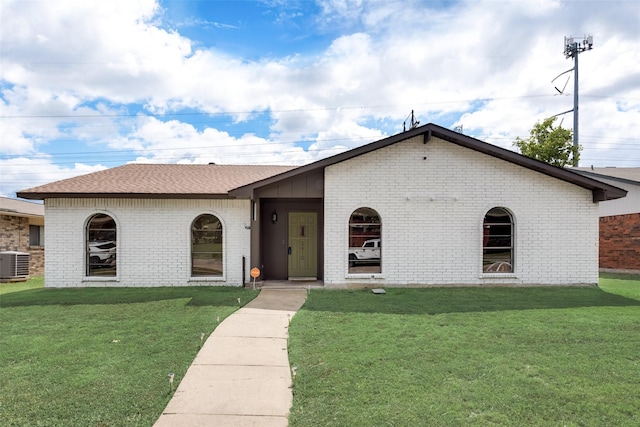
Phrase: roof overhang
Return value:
(600, 190)
(11, 212)
(247, 191)
(600, 176)
(21, 208)
(42, 196)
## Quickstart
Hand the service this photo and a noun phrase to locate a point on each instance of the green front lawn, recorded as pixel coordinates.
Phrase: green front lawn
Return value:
(469, 357)
(461, 356)
(100, 356)
(622, 284)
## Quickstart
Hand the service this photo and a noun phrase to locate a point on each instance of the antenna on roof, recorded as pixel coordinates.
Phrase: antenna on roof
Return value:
(414, 122)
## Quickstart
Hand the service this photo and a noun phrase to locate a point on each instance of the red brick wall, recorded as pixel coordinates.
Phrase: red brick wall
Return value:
(620, 242)
(14, 236)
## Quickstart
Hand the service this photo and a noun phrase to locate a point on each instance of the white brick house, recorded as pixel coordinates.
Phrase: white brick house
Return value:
(152, 235)
(425, 207)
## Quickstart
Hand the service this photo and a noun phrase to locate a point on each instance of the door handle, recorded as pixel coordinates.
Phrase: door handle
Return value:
(289, 251)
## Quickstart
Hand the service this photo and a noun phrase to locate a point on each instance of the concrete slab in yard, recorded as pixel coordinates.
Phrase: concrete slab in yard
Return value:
(249, 351)
(215, 389)
(277, 299)
(246, 323)
(199, 420)
(241, 376)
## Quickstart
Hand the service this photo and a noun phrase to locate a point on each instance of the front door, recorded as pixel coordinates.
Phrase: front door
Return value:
(303, 244)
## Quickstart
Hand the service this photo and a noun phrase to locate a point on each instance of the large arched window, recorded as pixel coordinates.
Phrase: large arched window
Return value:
(365, 244)
(497, 241)
(101, 244)
(206, 246)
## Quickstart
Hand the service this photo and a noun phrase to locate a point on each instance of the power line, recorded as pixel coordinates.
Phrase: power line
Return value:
(294, 110)
(267, 110)
(138, 151)
(258, 156)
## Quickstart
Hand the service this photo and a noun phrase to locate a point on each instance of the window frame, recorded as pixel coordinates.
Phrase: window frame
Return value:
(492, 266)
(220, 252)
(107, 255)
(36, 235)
(371, 231)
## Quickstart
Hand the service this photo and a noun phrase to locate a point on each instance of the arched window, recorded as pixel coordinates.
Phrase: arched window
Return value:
(365, 244)
(101, 244)
(206, 246)
(497, 242)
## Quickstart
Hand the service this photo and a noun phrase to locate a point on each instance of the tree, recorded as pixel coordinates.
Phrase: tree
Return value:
(550, 144)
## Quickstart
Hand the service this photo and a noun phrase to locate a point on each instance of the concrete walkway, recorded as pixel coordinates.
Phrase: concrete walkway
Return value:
(241, 376)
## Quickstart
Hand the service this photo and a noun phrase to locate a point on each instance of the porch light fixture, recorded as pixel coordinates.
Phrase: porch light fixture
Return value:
(274, 217)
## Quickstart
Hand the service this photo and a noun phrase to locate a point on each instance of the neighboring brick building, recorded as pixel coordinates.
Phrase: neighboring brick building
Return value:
(22, 230)
(619, 219)
(422, 208)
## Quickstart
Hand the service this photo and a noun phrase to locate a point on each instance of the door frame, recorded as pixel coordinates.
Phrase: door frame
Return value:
(310, 250)
(272, 238)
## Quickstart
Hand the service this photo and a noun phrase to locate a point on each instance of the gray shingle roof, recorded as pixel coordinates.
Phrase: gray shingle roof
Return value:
(156, 180)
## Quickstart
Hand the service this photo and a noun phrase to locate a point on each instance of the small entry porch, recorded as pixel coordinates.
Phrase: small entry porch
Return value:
(291, 241)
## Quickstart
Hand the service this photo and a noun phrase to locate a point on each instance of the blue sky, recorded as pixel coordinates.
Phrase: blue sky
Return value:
(86, 86)
(249, 29)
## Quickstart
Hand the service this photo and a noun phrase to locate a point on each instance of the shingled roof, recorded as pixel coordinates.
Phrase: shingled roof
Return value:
(156, 181)
(235, 181)
(13, 207)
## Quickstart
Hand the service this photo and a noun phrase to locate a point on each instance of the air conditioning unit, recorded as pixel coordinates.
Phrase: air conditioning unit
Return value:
(14, 266)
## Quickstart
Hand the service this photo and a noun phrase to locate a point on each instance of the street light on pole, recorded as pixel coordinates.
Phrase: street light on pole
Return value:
(572, 48)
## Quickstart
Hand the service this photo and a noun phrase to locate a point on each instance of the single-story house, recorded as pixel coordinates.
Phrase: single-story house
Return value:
(22, 230)
(425, 207)
(619, 219)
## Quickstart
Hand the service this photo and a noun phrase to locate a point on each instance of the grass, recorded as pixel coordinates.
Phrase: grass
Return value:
(469, 357)
(622, 284)
(461, 356)
(33, 283)
(100, 356)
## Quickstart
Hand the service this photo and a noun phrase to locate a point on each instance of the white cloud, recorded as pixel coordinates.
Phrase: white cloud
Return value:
(177, 142)
(486, 65)
(21, 173)
(89, 49)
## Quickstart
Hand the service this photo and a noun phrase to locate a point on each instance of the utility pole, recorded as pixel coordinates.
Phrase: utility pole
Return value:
(572, 48)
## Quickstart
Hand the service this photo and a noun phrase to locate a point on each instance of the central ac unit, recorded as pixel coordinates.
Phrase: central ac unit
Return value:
(14, 265)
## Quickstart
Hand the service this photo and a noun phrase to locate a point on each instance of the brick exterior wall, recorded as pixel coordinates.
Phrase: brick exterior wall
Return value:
(153, 241)
(14, 236)
(620, 242)
(432, 199)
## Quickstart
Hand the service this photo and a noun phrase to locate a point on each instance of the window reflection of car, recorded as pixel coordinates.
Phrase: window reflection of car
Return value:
(369, 252)
(102, 252)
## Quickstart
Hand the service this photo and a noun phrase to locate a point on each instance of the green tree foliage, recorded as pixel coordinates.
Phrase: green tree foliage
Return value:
(550, 144)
